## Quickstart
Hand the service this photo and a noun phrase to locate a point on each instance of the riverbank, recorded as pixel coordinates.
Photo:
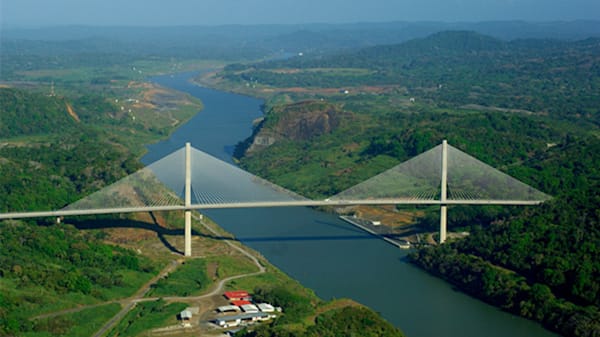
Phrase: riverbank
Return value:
(252, 282)
(508, 290)
(329, 255)
(364, 225)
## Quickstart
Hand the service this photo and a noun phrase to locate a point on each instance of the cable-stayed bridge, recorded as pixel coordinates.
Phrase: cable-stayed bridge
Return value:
(189, 179)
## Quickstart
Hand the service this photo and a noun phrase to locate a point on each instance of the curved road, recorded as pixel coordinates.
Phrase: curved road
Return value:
(139, 296)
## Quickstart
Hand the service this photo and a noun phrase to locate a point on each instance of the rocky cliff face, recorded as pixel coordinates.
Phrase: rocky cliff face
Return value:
(298, 121)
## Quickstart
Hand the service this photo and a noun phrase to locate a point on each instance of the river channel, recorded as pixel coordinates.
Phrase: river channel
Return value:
(325, 254)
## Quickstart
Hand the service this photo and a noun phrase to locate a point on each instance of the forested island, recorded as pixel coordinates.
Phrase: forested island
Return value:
(528, 106)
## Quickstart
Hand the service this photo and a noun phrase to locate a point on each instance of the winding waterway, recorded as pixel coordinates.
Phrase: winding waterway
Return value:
(331, 257)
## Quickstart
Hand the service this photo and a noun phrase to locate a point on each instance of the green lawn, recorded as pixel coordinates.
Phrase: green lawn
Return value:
(189, 279)
(79, 324)
(147, 316)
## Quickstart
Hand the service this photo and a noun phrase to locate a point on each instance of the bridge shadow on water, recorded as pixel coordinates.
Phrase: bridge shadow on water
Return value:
(307, 238)
(341, 225)
(357, 234)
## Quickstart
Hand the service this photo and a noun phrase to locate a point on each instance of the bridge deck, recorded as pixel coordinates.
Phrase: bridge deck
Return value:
(307, 203)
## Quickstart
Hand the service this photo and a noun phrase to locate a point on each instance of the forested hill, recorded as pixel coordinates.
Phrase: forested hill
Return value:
(48, 158)
(449, 43)
(24, 114)
(528, 107)
(454, 69)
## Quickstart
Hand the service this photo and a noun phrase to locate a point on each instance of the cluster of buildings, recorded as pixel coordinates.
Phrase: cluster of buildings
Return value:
(243, 311)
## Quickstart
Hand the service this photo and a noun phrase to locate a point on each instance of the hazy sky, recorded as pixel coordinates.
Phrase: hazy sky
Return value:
(215, 12)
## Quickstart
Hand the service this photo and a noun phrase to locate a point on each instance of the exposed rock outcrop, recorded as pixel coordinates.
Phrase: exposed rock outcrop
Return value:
(299, 121)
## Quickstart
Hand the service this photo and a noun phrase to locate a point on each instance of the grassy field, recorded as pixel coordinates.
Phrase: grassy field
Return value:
(48, 301)
(230, 265)
(147, 316)
(138, 70)
(79, 324)
(189, 279)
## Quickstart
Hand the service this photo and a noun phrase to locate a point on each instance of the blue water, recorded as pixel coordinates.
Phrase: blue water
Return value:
(328, 255)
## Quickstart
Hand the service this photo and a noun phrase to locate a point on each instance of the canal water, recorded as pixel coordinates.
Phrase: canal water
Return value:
(328, 255)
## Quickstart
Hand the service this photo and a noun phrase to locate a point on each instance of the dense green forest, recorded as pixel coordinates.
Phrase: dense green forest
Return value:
(48, 158)
(54, 149)
(454, 69)
(551, 250)
(327, 164)
(527, 107)
(24, 114)
(46, 267)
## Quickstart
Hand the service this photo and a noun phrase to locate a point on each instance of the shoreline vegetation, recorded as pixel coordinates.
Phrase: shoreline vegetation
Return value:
(479, 93)
(140, 251)
(525, 105)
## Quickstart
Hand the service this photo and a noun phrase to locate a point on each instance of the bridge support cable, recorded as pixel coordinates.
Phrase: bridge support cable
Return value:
(417, 179)
(189, 179)
(444, 176)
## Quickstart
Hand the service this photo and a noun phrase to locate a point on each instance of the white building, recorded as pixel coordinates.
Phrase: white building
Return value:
(249, 308)
(228, 308)
(265, 307)
(247, 318)
(186, 317)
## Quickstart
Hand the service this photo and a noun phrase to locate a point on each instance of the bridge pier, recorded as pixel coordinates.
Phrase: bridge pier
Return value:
(443, 222)
(444, 192)
(188, 233)
(188, 201)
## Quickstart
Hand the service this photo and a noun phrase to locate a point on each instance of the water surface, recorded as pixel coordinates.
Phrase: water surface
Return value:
(331, 257)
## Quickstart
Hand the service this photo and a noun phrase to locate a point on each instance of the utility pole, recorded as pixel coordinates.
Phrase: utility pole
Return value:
(188, 200)
(444, 192)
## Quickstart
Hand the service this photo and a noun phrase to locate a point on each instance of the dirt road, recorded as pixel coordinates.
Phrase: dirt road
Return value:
(216, 289)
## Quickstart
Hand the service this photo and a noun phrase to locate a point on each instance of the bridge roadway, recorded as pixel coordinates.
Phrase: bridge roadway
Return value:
(300, 203)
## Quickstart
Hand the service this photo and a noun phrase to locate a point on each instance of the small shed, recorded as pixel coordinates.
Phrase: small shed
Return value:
(186, 317)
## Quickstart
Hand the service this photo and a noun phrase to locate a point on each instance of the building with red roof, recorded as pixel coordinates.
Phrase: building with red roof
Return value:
(240, 302)
(238, 295)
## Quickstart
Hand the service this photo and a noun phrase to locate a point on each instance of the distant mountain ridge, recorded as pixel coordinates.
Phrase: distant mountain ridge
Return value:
(465, 42)
(460, 68)
(267, 39)
(462, 41)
